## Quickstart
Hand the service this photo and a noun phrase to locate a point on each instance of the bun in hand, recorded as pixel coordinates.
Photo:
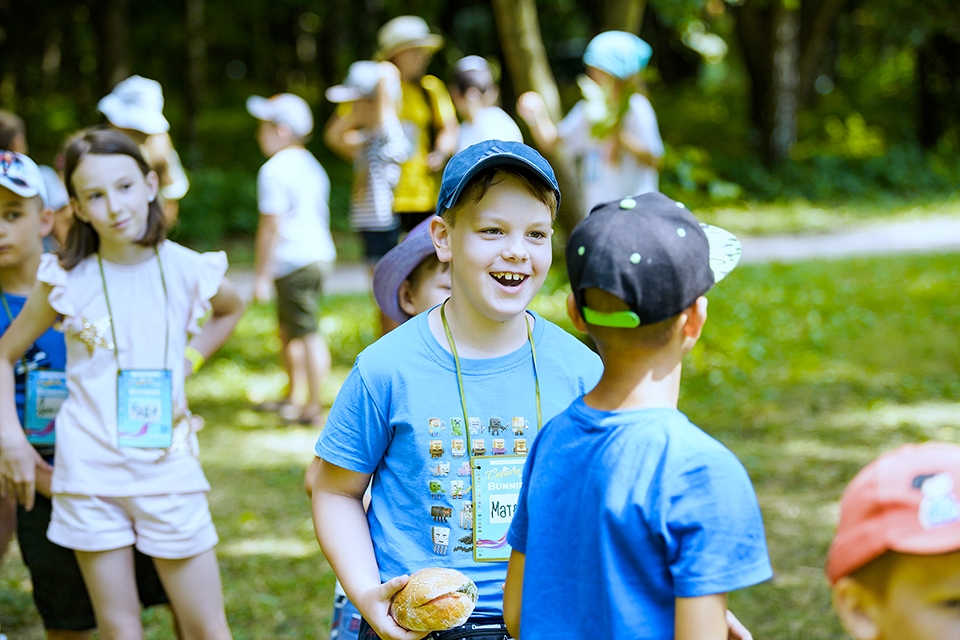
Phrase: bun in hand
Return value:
(434, 600)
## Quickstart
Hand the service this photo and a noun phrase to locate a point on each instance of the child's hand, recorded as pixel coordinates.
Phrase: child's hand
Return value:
(531, 107)
(18, 465)
(262, 290)
(376, 605)
(735, 628)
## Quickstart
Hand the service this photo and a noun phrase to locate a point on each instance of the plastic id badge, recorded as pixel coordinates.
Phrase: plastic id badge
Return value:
(496, 491)
(46, 391)
(144, 408)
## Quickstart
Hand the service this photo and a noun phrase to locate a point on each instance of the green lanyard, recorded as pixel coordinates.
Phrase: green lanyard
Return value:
(166, 316)
(6, 307)
(463, 395)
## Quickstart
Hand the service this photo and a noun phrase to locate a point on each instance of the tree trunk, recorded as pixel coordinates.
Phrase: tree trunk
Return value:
(196, 73)
(816, 19)
(785, 85)
(115, 42)
(526, 59)
(622, 15)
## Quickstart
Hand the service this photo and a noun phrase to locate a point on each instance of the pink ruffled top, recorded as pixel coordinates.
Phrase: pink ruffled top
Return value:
(89, 461)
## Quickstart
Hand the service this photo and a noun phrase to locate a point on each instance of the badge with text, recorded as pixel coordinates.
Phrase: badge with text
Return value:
(145, 408)
(46, 391)
(496, 490)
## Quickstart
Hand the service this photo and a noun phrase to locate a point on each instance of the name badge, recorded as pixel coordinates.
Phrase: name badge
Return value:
(496, 491)
(145, 408)
(46, 391)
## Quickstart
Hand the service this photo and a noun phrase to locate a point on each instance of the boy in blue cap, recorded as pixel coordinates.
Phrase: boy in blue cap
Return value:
(477, 373)
(668, 520)
(612, 132)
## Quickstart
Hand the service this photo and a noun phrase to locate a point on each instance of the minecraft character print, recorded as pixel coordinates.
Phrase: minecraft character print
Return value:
(938, 507)
(440, 469)
(499, 446)
(496, 426)
(436, 448)
(456, 426)
(466, 516)
(456, 489)
(436, 426)
(457, 447)
(476, 427)
(440, 514)
(519, 425)
(520, 446)
(479, 447)
(441, 539)
(466, 544)
(464, 469)
(436, 489)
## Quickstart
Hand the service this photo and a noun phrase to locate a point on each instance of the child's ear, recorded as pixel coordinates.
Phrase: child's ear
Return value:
(440, 234)
(696, 317)
(153, 185)
(573, 311)
(405, 298)
(858, 608)
(47, 217)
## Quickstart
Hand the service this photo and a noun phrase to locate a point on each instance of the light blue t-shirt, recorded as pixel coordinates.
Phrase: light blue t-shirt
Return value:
(643, 507)
(402, 394)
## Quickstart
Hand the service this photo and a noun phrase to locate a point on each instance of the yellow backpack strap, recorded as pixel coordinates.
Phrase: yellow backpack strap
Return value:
(441, 106)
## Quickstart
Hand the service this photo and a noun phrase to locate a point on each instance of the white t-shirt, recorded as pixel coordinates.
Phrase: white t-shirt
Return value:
(89, 462)
(294, 186)
(491, 123)
(602, 179)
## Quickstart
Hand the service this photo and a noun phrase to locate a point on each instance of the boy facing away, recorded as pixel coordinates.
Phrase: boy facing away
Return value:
(654, 520)
(894, 563)
(293, 246)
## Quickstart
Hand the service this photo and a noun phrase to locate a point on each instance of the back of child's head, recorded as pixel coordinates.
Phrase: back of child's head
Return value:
(82, 239)
(473, 72)
(472, 172)
(618, 53)
(639, 262)
(412, 261)
(13, 133)
(284, 110)
(135, 104)
(906, 502)
(21, 176)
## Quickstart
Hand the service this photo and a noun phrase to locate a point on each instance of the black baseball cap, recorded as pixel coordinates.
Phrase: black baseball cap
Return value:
(651, 253)
(484, 155)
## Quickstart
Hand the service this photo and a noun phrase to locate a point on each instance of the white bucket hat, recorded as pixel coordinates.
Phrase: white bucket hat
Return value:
(136, 103)
(405, 32)
(361, 82)
(283, 108)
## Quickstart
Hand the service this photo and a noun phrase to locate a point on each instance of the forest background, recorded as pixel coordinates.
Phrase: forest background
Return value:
(831, 102)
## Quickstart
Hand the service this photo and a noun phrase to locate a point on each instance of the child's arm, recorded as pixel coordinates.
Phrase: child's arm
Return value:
(513, 592)
(344, 537)
(343, 137)
(533, 110)
(267, 228)
(635, 145)
(18, 459)
(702, 618)
(227, 308)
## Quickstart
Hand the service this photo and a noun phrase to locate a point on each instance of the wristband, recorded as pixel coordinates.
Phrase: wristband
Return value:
(195, 357)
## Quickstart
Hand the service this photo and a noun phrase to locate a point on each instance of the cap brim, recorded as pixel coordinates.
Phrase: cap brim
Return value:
(341, 93)
(432, 43)
(126, 117)
(725, 251)
(498, 159)
(258, 107)
(396, 266)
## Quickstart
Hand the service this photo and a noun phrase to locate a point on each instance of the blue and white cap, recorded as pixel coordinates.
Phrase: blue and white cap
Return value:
(491, 153)
(20, 174)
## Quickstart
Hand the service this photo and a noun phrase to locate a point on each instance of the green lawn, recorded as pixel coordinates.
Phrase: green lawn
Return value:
(805, 371)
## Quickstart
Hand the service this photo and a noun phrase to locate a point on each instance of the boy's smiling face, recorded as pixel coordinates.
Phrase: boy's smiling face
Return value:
(499, 249)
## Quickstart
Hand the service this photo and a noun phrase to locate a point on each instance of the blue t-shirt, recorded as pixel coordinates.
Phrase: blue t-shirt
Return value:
(402, 394)
(643, 507)
(48, 352)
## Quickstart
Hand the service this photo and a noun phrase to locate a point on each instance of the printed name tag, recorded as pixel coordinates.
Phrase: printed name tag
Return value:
(46, 391)
(496, 490)
(145, 408)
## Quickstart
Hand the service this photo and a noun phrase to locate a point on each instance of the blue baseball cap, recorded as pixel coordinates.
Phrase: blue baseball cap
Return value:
(491, 153)
(619, 53)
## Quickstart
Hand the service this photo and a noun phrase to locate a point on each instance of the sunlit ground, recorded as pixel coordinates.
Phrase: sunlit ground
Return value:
(805, 371)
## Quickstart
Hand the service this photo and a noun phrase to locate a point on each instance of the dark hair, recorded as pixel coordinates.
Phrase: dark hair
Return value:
(479, 184)
(11, 125)
(82, 239)
(478, 79)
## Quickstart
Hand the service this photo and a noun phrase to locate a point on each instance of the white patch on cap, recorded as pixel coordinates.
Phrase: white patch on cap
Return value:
(682, 232)
(938, 507)
(680, 204)
(628, 203)
(635, 258)
(581, 250)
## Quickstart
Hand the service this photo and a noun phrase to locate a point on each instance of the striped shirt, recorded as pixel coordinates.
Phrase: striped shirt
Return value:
(376, 172)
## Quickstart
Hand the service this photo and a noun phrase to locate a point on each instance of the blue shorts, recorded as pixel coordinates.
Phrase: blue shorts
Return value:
(346, 619)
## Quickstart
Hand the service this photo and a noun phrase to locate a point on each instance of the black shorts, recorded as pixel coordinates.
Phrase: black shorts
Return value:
(58, 588)
(377, 243)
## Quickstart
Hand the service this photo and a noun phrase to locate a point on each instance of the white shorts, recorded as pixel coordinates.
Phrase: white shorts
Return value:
(171, 526)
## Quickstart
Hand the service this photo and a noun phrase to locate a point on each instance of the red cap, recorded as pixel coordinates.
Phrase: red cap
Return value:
(905, 501)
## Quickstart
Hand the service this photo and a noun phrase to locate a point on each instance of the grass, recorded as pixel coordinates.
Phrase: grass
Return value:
(805, 371)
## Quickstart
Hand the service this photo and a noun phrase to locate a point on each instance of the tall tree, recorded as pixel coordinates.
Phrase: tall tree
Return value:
(115, 42)
(196, 71)
(622, 15)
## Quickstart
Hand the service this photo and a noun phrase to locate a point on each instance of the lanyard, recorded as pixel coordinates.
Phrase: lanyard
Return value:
(6, 307)
(463, 395)
(166, 317)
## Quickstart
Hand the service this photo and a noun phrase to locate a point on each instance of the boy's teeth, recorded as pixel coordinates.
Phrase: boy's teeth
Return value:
(509, 277)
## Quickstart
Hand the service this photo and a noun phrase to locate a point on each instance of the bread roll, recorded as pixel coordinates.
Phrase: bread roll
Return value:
(434, 600)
